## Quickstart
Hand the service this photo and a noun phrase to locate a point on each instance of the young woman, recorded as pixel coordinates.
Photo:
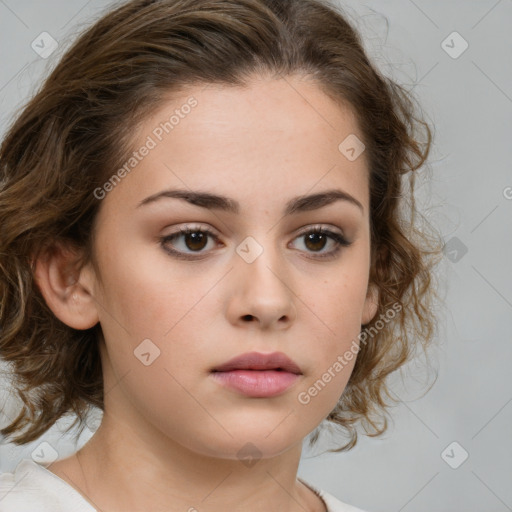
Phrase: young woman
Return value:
(205, 235)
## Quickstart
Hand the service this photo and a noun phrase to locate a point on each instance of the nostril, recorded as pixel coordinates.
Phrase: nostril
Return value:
(248, 317)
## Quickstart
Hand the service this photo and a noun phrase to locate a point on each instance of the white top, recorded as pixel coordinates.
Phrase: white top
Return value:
(33, 488)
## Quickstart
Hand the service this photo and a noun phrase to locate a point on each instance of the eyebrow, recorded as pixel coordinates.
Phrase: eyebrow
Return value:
(218, 202)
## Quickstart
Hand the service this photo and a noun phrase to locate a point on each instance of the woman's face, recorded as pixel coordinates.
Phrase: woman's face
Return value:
(174, 306)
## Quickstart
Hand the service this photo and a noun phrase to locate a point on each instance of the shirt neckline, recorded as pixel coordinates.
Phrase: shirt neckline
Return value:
(63, 486)
(317, 491)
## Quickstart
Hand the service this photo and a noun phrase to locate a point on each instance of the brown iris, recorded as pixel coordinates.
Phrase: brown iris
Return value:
(315, 241)
(196, 240)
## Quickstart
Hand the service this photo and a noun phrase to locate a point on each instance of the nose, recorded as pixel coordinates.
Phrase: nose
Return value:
(262, 293)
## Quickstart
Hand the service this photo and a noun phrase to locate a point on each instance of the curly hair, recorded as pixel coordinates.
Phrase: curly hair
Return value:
(78, 126)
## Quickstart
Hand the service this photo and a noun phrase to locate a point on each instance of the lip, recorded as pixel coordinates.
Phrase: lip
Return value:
(258, 375)
(259, 361)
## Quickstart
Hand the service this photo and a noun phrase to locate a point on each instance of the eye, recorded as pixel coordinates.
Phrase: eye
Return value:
(194, 240)
(317, 238)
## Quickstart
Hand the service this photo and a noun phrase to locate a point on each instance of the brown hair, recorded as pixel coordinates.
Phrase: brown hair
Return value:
(79, 127)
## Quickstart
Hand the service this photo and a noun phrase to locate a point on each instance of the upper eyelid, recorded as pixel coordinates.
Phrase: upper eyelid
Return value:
(323, 227)
(205, 229)
(214, 232)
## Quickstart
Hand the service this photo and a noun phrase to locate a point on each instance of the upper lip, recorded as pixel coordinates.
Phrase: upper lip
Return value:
(259, 361)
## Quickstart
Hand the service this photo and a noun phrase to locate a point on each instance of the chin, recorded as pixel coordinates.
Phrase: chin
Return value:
(247, 447)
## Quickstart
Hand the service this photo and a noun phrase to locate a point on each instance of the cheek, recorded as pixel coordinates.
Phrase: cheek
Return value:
(338, 308)
(145, 294)
(156, 313)
(162, 397)
(339, 302)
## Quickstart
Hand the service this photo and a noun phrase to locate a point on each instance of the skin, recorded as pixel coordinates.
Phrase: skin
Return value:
(170, 433)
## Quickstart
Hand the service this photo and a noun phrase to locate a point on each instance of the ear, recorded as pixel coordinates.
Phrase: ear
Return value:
(371, 304)
(67, 290)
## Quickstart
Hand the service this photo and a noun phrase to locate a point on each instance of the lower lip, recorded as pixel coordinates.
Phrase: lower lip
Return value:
(257, 383)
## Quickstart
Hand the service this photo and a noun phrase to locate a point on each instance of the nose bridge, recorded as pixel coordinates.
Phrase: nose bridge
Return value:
(260, 257)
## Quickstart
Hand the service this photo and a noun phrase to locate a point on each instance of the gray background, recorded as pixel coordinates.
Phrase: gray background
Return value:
(468, 99)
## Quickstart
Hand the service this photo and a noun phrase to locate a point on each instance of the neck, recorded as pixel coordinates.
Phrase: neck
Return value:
(122, 470)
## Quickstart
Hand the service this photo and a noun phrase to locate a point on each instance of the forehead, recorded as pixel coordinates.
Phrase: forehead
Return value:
(270, 139)
(289, 108)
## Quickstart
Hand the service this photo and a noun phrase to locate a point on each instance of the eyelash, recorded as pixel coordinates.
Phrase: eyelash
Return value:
(340, 240)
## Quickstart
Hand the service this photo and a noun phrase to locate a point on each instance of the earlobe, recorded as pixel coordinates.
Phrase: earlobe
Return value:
(371, 304)
(61, 283)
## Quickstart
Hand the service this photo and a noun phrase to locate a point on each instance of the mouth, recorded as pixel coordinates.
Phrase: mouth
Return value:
(258, 375)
